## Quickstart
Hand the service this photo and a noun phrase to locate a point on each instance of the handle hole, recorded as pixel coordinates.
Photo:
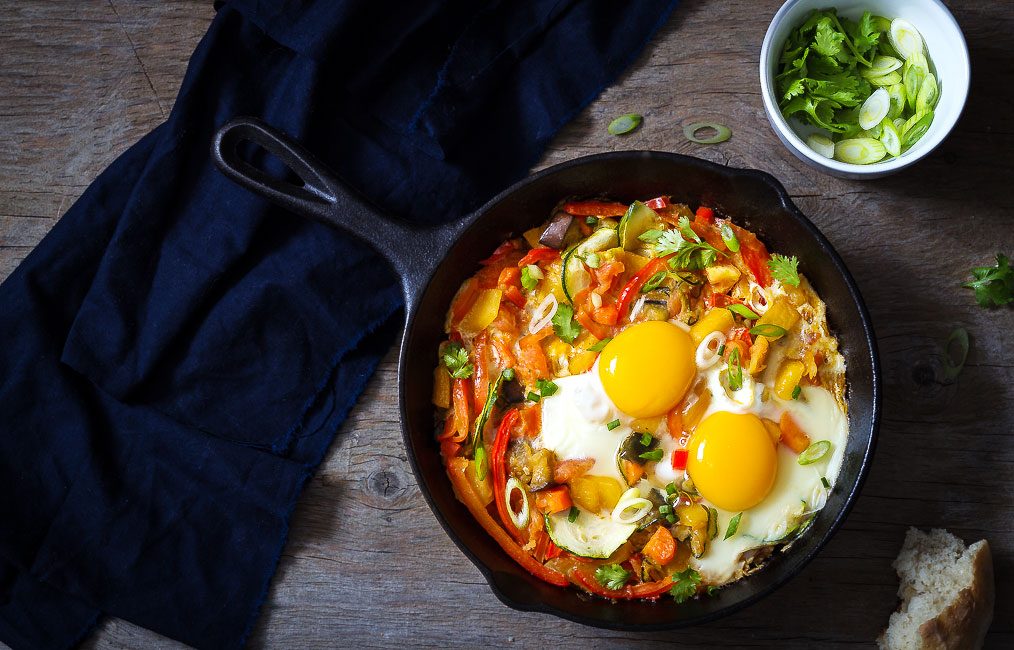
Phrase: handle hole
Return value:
(268, 163)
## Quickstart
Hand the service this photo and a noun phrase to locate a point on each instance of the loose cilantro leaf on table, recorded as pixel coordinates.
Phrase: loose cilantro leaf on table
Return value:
(993, 285)
(564, 324)
(612, 576)
(684, 585)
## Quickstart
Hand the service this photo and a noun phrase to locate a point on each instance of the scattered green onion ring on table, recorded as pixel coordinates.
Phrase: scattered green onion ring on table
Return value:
(722, 132)
(589, 364)
(868, 86)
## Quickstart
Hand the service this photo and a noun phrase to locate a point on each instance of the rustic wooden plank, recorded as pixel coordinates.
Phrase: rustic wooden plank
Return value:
(366, 563)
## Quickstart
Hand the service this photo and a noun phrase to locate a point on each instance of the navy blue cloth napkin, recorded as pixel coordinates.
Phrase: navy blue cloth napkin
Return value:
(178, 355)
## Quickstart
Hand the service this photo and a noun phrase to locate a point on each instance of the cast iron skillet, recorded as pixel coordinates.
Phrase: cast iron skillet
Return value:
(433, 262)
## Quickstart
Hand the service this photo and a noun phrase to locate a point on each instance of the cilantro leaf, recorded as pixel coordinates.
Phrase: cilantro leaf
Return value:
(689, 251)
(612, 576)
(546, 388)
(456, 361)
(993, 285)
(564, 324)
(784, 269)
(685, 585)
(828, 40)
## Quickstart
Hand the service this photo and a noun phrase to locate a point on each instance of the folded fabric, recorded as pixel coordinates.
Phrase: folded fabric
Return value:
(178, 354)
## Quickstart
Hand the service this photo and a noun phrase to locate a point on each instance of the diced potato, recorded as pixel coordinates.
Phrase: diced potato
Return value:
(718, 319)
(483, 488)
(693, 515)
(441, 388)
(532, 237)
(632, 262)
(758, 355)
(483, 312)
(789, 374)
(722, 277)
(582, 362)
(781, 313)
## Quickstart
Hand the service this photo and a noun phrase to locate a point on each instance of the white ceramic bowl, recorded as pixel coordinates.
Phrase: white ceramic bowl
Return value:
(948, 54)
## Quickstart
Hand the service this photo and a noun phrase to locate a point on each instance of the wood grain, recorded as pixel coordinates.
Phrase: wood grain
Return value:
(366, 563)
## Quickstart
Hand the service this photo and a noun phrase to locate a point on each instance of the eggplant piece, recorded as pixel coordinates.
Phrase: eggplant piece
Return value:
(511, 392)
(655, 310)
(555, 234)
(532, 467)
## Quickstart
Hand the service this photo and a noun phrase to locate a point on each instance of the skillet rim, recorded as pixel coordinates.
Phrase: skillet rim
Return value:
(868, 335)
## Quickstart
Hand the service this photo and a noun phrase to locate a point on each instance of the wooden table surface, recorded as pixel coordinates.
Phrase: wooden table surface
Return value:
(366, 563)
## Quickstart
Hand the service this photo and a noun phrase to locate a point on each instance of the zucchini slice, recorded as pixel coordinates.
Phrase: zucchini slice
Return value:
(589, 535)
(576, 277)
(638, 220)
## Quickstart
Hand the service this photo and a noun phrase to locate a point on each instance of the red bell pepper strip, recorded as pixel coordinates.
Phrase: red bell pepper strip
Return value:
(659, 203)
(595, 208)
(498, 468)
(679, 459)
(464, 300)
(537, 255)
(646, 590)
(456, 468)
(632, 289)
(704, 214)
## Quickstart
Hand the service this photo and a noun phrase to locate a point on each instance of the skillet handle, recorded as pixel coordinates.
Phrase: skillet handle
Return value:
(412, 251)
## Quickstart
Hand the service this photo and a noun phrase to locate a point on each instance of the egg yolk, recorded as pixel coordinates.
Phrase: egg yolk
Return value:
(732, 461)
(647, 368)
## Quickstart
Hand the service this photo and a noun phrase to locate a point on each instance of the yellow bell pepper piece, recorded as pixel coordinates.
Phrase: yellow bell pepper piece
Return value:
(789, 374)
(781, 313)
(722, 277)
(532, 237)
(718, 319)
(441, 388)
(645, 425)
(693, 515)
(582, 362)
(585, 493)
(609, 490)
(482, 313)
(758, 355)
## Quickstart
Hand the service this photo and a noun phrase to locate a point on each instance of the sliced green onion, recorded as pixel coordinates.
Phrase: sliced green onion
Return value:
(546, 388)
(881, 65)
(899, 123)
(480, 464)
(897, 95)
(722, 132)
(572, 515)
(874, 109)
(630, 508)
(598, 347)
(519, 519)
(733, 526)
(735, 371)
(729, 237)
(721, 349)
(859, 151)
(508, 374)
(592, 260)
(646, 439)
(890, 138)
(671, 519)
(743, 311)
(796, 391)
(624, 124)
(769, 330)
(915, 128)
(826, 483)
(654, 282)
(914, 75)
(670, 489)
(533, 396)
(889, 79)
(814, 452)
(712, 523)
(612, 425)
(654, 454)
(953, 363)
(591, 221)
(530, 276)
(821, 144)
(665, 508)
(928, 93)
(905, 38)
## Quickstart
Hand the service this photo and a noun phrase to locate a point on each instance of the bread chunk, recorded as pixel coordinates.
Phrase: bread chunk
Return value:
(946, 594)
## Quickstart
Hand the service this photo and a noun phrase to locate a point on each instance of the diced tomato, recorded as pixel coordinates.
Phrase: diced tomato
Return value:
(659, 203)
(537, 255)
(595, 208)
(605, 274)
(513, 295)
(754, 254)
(464, 300)
(741, 334)
(533, 363)
(597, 330)
(713, 300)
(606, 315)
(705, 214)
(552, 550)
(531, 420)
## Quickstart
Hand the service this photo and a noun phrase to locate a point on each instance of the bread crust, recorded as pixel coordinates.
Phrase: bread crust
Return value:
(963, 624)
